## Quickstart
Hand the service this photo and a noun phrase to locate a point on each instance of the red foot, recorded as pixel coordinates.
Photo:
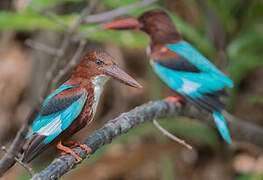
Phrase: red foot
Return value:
(73, 144)
(178, 100)
(68, 151)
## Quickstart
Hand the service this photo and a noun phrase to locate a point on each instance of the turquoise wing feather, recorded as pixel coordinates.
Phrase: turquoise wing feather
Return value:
(186, 83)
(186, 50)
(53, 124)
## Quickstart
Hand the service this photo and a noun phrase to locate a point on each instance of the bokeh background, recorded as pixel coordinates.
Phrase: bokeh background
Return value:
(228, 32)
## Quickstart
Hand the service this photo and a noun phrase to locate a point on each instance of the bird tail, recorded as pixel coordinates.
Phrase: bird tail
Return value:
(34, 146)
(222, 126)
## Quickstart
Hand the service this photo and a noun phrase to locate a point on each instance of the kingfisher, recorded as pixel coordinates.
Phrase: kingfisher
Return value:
(72, 105)
(181, 66)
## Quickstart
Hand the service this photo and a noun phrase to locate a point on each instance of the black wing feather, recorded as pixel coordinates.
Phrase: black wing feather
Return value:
(58, 104)
(35, 147)
(179, 63)
(210, 102)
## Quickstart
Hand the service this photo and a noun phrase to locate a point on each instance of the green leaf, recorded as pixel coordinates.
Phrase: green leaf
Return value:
(37, 5)
(117, 3)
(29, 21)
(256, 99)
(248, 41)
(238, 68)
(125, 38)
(226, 10)
(250, 176)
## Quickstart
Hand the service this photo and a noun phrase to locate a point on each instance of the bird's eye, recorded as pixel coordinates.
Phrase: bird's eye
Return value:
(99, 62)
(143, 20)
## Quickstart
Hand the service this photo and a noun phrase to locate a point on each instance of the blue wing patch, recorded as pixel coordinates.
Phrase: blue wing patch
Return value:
(52, 125)
(186, 83)
(191, 54)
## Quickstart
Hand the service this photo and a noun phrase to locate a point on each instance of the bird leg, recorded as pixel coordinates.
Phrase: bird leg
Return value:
(178, 100)
(73, 144)
(68, 151)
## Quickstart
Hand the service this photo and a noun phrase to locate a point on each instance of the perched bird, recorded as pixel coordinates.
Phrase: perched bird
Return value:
(180, 65)
(71, 106)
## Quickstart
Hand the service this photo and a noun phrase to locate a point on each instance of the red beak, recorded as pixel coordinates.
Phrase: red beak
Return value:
(115, 72)
(123, 24)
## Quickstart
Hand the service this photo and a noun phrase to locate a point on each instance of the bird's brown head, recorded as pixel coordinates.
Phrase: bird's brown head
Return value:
(156, 23)
(100, 64)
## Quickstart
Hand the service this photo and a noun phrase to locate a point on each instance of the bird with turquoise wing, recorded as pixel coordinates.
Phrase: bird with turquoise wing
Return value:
(181, 66)
(72, 105)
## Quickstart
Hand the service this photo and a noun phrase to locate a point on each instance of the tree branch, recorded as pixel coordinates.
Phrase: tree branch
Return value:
(159, 109)
(42, 47)
(56, 19)
(109, 15)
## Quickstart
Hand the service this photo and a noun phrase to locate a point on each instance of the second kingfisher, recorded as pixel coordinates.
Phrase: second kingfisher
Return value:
(180, 65)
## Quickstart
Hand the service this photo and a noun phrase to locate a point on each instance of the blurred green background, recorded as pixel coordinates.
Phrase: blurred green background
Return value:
(228, 32)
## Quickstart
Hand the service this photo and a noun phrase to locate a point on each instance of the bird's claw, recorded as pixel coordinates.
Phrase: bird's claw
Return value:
(85, 147)
(67, 150)
(76, 143)
(74, 154)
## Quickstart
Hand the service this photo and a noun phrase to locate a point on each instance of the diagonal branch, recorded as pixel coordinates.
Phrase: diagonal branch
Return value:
(109, 15)
(42, 47)
(240, 130)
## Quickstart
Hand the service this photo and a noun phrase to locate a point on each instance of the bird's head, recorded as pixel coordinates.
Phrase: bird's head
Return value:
(100, 64)
(155, 23)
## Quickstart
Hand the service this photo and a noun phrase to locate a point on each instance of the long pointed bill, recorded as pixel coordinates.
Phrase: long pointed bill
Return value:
(115, 72)
(129, 23)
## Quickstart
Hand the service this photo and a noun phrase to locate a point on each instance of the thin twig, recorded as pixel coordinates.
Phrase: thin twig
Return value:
(55, 18)
(87, 33)
(8, 160)
(25, 166)
(42, 47)
(173, 137)
(109, 15)
(73, 62)
(240, 130)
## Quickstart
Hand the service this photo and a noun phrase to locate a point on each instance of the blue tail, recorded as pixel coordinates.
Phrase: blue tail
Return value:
(222, 127)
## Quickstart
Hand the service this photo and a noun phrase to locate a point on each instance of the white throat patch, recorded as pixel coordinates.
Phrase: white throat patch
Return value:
(98, 83)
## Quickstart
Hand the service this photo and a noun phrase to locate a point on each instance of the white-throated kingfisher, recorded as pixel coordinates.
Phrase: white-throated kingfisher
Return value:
(180, 65)
(71, 106)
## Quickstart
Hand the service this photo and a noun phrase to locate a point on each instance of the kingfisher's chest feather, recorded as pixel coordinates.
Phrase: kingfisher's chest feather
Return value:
(98, 83)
